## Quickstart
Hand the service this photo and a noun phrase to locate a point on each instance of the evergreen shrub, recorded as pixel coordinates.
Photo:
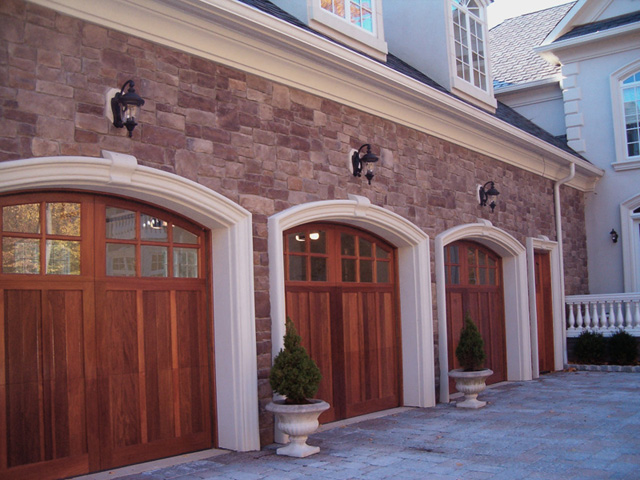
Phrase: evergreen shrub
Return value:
(470, 349)
(294, 373)
(590, 348)
(623, 348)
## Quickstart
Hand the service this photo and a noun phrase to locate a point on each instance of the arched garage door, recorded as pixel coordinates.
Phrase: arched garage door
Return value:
(341, 295)
(474, 286)
(104, 340)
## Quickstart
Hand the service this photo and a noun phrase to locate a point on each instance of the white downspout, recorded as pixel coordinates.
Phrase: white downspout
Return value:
(556, 198)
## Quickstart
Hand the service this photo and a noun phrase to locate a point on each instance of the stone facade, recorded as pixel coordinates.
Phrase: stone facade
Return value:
(263, 145)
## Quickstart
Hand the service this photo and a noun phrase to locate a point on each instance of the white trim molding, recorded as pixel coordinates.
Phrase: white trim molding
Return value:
(623, 161)
(516, 307)
(232, 255)
(543, 244)
(413, 274)
(630, 237)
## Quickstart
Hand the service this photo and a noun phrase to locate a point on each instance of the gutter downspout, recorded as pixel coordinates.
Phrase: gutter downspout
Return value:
(556, 199)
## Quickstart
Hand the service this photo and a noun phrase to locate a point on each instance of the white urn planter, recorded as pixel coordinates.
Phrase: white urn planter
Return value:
(297, 421)
(470, 383)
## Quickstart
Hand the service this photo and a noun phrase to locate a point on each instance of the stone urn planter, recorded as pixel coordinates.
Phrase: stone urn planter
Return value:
(470, 384)
(297, 421)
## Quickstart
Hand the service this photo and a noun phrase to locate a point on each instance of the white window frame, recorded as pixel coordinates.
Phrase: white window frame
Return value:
(341, 29)
(622, 161)
(467, 88)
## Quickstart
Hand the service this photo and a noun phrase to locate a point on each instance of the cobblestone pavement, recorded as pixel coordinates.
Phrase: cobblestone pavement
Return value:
(567, 425)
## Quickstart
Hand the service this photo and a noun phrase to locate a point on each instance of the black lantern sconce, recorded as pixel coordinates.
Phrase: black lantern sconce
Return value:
(125, 107)
(614, 236)
(488, 194)
(366, 161)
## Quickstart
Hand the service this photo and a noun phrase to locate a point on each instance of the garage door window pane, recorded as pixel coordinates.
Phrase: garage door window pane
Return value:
(21, 218)
(185, 262)
(297, 268)
(63, 219)
(63, 257)
(121, 260)
(153, 228)
(120, 224)
(383, 272)
(180, 235)
(154, 261)
(20, 255)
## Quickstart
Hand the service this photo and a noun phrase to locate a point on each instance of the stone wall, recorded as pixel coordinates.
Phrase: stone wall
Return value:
(263, 145)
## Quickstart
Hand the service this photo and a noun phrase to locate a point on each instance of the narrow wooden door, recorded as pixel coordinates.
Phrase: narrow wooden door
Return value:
(546, 361)
(341, 294)
(104, 343)
(474, 286)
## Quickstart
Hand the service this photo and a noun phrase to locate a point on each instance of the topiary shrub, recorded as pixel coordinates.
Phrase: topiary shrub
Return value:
(470, 349)
(623, 348)
(294, 373)
(590, 348)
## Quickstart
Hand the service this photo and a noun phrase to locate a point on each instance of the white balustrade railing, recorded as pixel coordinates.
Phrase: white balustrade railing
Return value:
(605, 313)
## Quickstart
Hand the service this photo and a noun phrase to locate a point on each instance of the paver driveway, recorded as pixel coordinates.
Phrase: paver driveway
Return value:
(567, 425)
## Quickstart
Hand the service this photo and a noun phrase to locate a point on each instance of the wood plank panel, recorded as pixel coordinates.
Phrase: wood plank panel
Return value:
(24, 408)
(310, 312)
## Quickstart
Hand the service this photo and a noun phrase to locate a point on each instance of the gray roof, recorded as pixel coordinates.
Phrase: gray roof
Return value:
(602, 25)
(503, 112)
(511, 44)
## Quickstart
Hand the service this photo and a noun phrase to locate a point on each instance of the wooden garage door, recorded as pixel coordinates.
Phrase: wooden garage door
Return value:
(104, 345)
(546, 356)
(474, 285)
(341, 295)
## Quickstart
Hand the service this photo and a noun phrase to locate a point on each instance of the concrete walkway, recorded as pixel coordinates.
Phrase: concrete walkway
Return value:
(568, 425)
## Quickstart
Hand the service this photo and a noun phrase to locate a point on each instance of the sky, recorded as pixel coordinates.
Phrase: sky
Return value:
(500, 10)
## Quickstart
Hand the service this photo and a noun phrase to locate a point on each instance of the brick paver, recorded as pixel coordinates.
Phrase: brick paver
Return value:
(567, 425)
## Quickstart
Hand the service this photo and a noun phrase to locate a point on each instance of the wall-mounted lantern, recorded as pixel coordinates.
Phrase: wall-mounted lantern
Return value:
(488, 194)
(614, 236)
(359, 163)
(125, 107)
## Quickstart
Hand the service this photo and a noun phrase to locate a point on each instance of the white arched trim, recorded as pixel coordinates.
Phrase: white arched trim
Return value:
(630, 237)
(543, 244)
(516, 307)
(232, 253)
(413, 273)
(623, 161)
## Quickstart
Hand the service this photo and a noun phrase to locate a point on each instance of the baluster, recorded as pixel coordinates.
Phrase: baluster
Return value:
(587, 315)
(603, 316)
(572, 318)
(612, 315)
(619, 316)
(579, 322)
(594, 316)
(628, 319)
(636, 323)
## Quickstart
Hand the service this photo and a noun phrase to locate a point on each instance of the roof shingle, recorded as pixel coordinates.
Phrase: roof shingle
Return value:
(511, 44)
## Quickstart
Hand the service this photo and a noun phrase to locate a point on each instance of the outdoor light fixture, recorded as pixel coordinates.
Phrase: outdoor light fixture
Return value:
(614, 236)
(365, 161)
(125, 107)
(488, 193)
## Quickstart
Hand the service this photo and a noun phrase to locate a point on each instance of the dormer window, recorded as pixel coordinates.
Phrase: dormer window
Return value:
(355, 23)
(357, 12)
(469, 39)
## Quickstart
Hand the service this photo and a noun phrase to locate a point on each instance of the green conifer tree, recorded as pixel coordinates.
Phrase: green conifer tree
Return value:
(470, 350)
(294, 373)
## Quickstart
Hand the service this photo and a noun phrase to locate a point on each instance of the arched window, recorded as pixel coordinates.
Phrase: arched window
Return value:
(625, 100)
(631, 100)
